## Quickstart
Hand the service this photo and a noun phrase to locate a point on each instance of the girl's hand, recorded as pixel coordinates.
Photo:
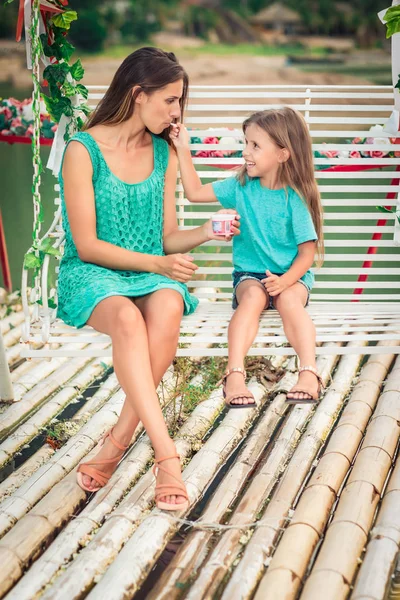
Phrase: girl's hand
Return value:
(274, 284)
(235, 226)
(179, 267)
(179, 135)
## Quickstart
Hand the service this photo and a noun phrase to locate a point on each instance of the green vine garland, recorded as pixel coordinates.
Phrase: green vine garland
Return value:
(67, 97)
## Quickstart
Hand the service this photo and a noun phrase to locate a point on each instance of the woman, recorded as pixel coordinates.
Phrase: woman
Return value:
(125, 266)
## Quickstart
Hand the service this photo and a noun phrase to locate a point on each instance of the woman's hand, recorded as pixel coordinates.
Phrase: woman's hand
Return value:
(235, 226)
(179, 135)
(179, 267)
(274, 284)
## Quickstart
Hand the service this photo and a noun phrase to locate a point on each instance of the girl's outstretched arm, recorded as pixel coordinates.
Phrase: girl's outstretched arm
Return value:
(184, 241)
(195, 191)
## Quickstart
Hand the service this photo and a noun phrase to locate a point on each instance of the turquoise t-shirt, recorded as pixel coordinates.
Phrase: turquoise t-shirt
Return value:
(273, 224)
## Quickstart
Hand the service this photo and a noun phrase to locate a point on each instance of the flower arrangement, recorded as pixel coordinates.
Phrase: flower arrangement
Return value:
(382, 141)
(222, 140)
(375, 129)
(16, 119)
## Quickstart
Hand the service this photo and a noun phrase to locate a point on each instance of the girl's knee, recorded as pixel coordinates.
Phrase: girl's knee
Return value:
(289, 299)
(254, 294)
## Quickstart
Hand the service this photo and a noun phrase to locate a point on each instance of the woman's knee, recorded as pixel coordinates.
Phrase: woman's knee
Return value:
(164, 316)
(126, 320)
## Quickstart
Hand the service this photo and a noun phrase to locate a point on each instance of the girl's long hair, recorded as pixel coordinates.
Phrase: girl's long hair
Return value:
(287, 129)
(149, 68)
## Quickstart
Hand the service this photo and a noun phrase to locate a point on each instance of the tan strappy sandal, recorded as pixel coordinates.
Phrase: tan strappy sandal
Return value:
(248, 395)
(164, 489)
(91, 469)
(312, 398)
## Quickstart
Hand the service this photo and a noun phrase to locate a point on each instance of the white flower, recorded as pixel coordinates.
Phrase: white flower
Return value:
(27, 112)
(383, 141)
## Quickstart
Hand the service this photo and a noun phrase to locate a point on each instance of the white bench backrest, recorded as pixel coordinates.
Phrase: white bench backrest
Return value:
(355, 231)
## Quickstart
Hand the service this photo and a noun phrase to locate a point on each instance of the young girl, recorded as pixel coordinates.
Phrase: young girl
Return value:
(277, 198)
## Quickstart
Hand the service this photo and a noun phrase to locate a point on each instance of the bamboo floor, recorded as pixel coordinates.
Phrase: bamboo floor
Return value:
(286, 502)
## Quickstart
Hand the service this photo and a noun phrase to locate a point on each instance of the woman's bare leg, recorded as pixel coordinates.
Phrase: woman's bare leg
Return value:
(300, 332)
(122, 320)
(252, 299)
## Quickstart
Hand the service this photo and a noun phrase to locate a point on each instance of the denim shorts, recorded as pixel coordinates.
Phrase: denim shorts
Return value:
(239, 276)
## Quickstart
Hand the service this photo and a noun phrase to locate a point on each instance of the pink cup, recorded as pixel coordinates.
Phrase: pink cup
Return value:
(221, 223)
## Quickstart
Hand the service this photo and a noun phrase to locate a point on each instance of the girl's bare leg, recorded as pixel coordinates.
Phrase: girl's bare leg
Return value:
(124, 322)
(252, 299)
(300, 332)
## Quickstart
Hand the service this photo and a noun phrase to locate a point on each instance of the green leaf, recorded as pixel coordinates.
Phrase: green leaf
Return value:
(56, 72)
(392, 27)
(392, 19)
(31, 261)
(49, 49)
(58, 106)
(85, 109)
(398, 83)
(68, 89)
(51, 303)
(392, 13)
(66, 49)
(77, 71)
(65, 19)
(384, 209)
(82, 90)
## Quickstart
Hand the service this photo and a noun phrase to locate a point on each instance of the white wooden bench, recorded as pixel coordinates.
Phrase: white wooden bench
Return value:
(357, 291)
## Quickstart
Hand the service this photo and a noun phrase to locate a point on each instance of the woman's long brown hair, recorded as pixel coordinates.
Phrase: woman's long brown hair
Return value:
(149, 68)
(288, 129)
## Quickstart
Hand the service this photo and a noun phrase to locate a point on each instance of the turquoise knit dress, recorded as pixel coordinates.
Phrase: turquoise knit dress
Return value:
(127, 215)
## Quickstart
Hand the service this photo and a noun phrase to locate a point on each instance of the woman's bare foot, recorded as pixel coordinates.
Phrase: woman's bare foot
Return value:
(235, 385)
(309, 385)
(173, 466)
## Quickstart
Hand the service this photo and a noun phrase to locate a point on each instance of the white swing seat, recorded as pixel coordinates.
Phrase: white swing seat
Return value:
(357, 291)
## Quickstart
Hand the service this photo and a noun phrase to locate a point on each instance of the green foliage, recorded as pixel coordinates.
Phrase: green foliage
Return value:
(77, 70)
(142, 19)
(389, 210)
(89, 32)
(392, 19)
(34, 259)
(65, 19)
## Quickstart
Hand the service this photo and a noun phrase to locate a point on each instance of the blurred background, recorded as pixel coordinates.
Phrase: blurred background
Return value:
(217, 41)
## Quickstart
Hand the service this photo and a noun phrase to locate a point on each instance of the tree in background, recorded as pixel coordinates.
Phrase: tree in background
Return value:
(90, 30)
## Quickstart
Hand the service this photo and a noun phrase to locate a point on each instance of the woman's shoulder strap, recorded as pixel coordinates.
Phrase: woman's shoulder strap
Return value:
(161, 152)
(91, 146)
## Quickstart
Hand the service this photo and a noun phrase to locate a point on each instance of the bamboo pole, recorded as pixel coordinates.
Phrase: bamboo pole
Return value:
(96, 557)
(190, 556)
(290, 562)
(6, 387)
(66, 458)
(225, 552)
(142, 549)
(348, 532)
(377, 567)
(31, 428)
(18, 477)
(250, 569)
(12, 337)
(32, 400)
(20, 371)
(76, 533)
(12, 320)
